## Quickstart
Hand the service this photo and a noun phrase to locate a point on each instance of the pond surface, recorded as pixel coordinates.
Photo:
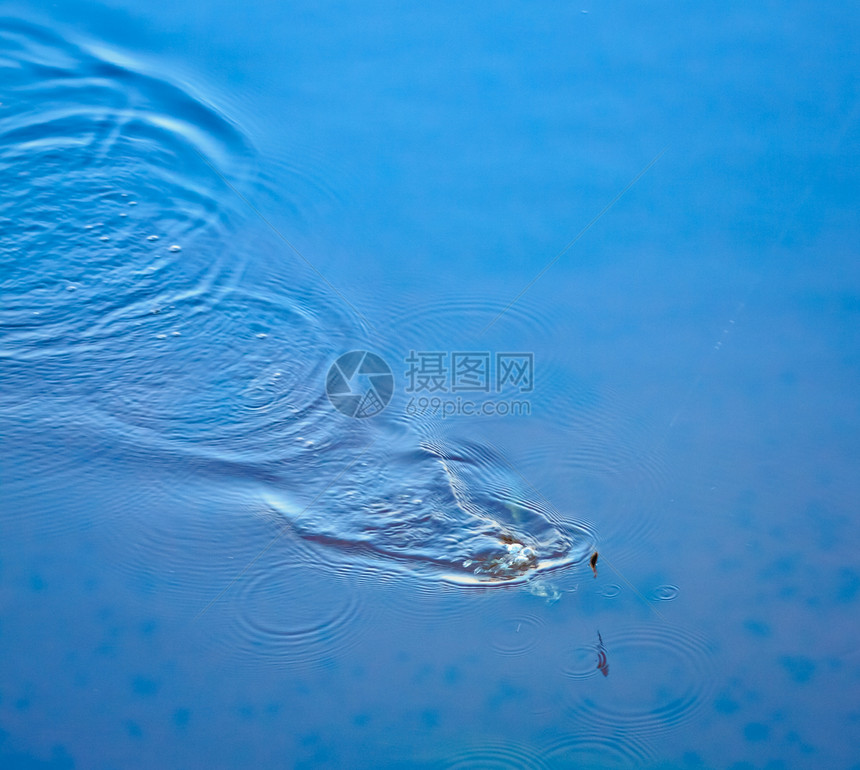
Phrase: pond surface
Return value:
(404, 386)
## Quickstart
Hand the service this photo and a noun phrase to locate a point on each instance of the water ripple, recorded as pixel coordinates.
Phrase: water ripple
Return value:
(449, 323)
(583, 662)
(497, 756)
(421, 599)
(454, 508)
(281, 619)
(665, 593)
(129, 314)
(516, 635)
(234, 377)
(658, 677)
(101, 158)
(605, 750)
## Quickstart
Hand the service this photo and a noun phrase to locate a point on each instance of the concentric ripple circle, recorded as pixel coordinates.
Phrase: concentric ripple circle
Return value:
(583, 662)
(419, 597)
(659, 677)
(665, 593)
(497, 756)
(603, 750)
(446, 323)
(280, 620)
(235, 376)
(515, 635)
(123, 169)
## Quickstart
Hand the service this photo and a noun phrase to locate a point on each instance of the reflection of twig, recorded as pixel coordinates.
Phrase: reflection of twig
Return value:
(289, 525)
(602, 662)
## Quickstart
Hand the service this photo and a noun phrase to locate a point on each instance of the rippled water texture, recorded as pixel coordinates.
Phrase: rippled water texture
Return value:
(462, 511)
(206, 205)
(125, 294)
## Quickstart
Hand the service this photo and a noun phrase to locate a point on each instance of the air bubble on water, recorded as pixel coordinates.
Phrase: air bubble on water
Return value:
(174, 248)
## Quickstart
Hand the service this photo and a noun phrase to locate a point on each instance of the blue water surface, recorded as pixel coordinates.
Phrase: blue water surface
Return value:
(645, 214)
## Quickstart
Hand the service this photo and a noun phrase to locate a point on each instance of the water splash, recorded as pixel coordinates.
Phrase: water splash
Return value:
(459, 510)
